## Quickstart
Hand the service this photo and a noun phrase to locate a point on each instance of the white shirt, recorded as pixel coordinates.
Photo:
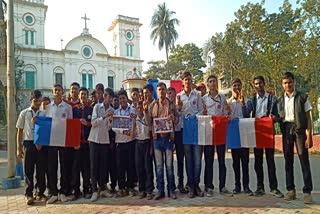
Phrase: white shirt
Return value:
(215, 105)
(63, 110)
(25, 122)
(142, 129)
(289, 107)
(120, 137)
(262, 105)
(236, 107)
(99, 132)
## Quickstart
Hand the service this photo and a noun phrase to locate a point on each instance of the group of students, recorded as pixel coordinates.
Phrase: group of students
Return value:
(128, 157)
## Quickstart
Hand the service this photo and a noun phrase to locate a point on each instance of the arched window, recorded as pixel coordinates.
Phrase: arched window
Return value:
(111, 78)
(30, 76)
(58, 75)
(87, 72)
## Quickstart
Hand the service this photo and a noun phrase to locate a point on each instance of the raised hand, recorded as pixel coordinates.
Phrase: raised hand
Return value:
(179, 103)
(204, 111)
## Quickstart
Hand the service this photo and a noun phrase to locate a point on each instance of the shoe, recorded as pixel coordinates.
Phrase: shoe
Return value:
(149, 196)
(29, 200)
(208, 192)
(142, 195)
(94, 197)
(191, 193)
(248, 191)
(182, 189)
(236, 190)
(76, 196)
(173, 195)
(41, 197)
(121, 193)
(64, 198)
(52, 199)
(132, 192)
(259, 192)
(276, 193)
(87, 195)
(159, 195)
(226, 192)
(307, 199)
(106, 194)
(198, 192)
(291, 195)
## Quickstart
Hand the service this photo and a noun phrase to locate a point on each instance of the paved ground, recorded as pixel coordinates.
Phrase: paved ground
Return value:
(12, 201)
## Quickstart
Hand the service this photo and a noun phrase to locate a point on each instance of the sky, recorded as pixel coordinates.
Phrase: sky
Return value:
(199, 20)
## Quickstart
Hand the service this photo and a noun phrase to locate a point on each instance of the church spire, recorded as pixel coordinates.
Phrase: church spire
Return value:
(85, 29)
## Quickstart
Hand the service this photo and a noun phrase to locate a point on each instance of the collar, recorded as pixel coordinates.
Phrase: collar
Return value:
(101, 105)
(191, 92)
(266, 95)
(128, 108)
(292, 95)
(209, 95)
(60, 104)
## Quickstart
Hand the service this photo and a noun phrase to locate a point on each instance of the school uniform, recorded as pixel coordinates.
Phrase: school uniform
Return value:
(99, 146)
(32, 157)
(62, 110)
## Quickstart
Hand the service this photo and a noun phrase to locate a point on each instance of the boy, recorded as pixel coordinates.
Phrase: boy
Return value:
(99, 145)
(34, 155)
(73, 98)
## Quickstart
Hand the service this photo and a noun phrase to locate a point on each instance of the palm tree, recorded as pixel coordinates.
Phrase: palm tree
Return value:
(163, 28)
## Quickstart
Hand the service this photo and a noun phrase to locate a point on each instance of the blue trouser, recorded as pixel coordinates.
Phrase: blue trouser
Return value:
(193, 155)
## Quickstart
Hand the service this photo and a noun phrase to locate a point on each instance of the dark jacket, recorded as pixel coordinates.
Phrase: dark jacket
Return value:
(272, 107)
(85, 112)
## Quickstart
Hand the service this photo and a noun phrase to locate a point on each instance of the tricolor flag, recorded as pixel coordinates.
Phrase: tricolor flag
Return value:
(57, 132)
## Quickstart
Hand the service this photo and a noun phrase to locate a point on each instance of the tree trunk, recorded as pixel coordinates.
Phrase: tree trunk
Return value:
(167, 57)
(3, 45)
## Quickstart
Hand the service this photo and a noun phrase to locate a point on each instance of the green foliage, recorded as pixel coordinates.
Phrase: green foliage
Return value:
(157, 70)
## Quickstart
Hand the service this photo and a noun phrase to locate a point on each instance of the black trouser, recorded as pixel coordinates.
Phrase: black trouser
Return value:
(258, 167)
(81, 164)
(289, 138)
(208, 170)
(66, 161)
(143, 162)
(180, 155)
(125, 165)
(243, 156)
(112, 171)
(34, 158)
(99, 165)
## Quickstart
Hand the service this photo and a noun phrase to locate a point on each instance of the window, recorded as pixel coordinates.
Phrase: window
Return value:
(32, 37)
(129, 50)
(87, 80)
(26, 37)
(111, 82)
(30, 83)
(58, 77)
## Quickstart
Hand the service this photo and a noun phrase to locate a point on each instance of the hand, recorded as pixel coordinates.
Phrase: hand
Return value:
(145, 106)
(38, 147)
(109, 114)
(228, 108)
(274, 118)
(126, 132)
(179, 103)
(83, 122)
(309, 142)
(133, 116)
(77, 148)
(20, 153)
(171, 139)
(172, 117)
(204, 111)
(241, 98)
(33, 120)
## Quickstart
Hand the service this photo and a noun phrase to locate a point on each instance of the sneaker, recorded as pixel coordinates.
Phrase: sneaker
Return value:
(191, 193)
(121, 193)
(307, 199)
(173, 195)
(29, 200)
(41, 197)
(276, 193)
(182, 189)
(106, 194)
(132, 192)
(159, 195)
(64, 198)
(87, 195)
(94, 197)
(149, 196)
(209, 192)
(291, 195)
(248, 191)
(142, 195)
(52, 199)
(198, 192)
(259, 192)
(236, 190)
(76, 196)
(226, 192)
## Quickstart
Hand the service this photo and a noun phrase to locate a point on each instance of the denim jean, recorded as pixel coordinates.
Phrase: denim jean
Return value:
(193, 155)
(163, 152)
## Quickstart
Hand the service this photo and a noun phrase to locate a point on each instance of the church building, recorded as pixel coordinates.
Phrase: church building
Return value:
(84, 59)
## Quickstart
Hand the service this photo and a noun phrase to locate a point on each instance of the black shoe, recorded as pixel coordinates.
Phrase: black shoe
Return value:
(236, 190)
(248, 191)
(76, 195)
(181, 189)
(259, 192)
(198, 192)
(277, 193)
(149, 196)
(172, 195)
(142, 195)
(159, 195)
(191, 193)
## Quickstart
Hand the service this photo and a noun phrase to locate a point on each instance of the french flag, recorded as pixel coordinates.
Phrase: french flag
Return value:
(57, 132)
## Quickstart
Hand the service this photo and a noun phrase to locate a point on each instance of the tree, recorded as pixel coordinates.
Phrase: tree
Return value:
(163, 28)
(188, 58)
(3, 56)
(156, 70)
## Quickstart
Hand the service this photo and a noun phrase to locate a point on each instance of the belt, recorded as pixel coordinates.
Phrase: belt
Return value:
(164, 135)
